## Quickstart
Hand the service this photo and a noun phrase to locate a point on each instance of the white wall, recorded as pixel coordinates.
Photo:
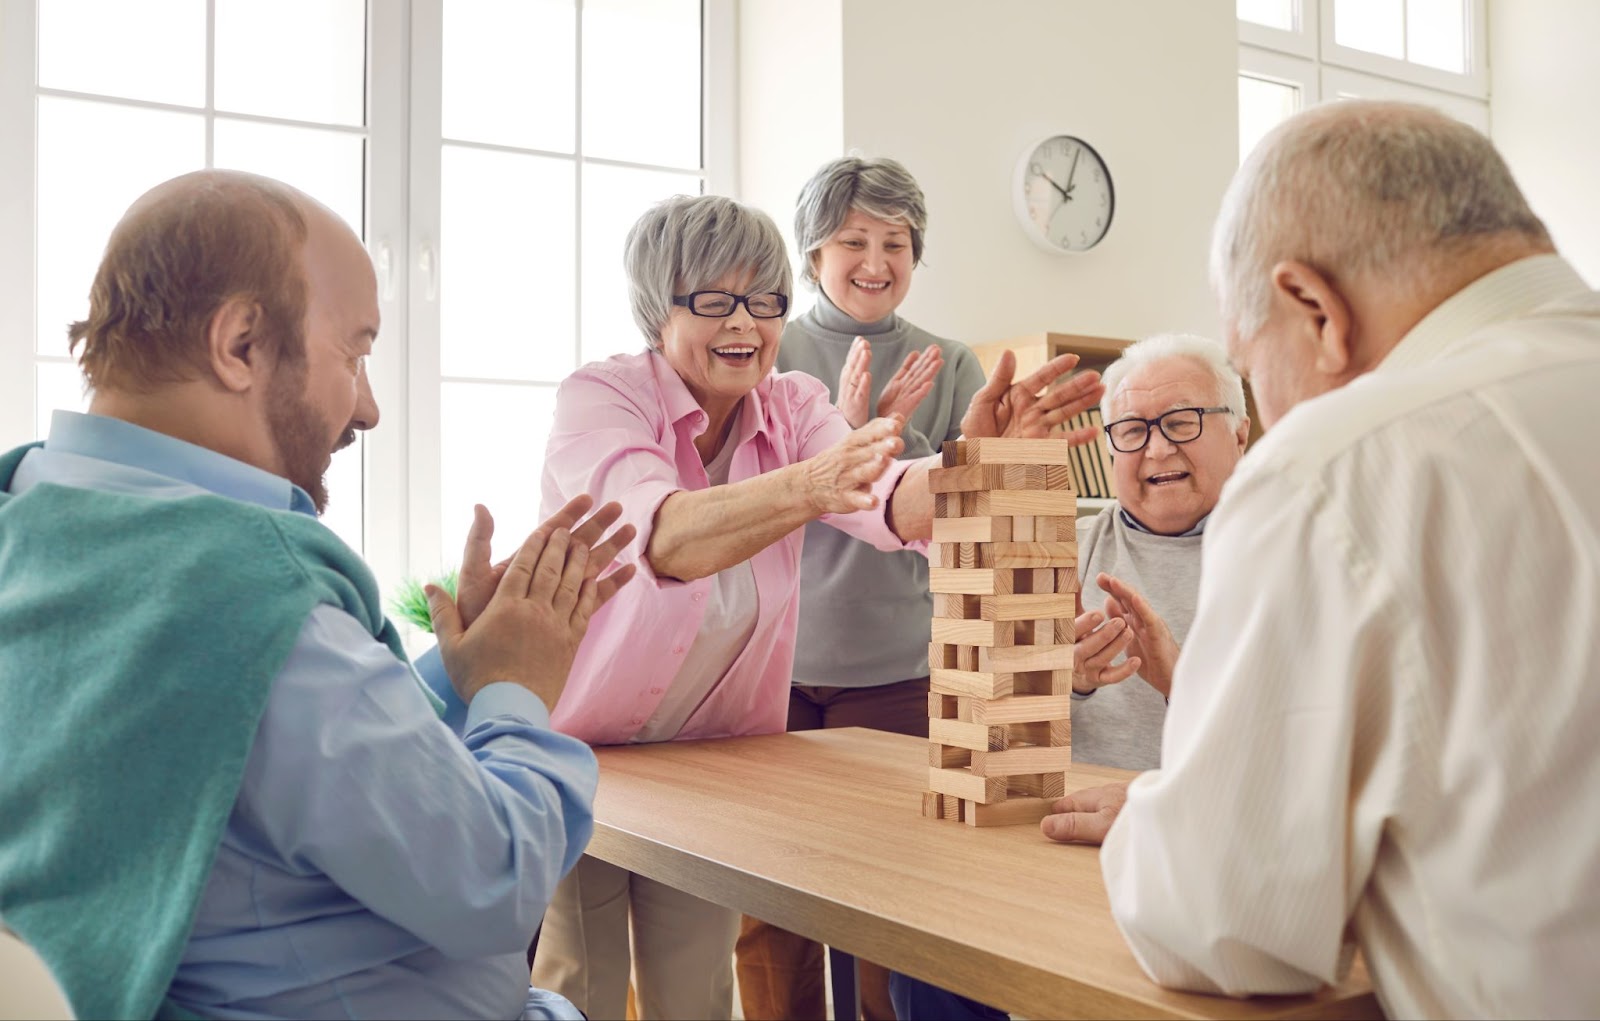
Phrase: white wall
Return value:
(956, 89)
(1544, 115)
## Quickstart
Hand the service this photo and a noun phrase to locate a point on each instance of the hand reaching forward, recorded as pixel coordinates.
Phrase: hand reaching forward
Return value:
(479, 578)
(1004, 408)
(530, 630)
(839, 480)
(1085, 817)
(1100, 640)
(1151, 642)
(911, 382)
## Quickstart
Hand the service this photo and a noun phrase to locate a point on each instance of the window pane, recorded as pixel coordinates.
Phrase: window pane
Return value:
(1436, 34)
(641, 81)
(154, 50)
(1272, 13)
(1377, 26)
(327, 165)
(492, 440)
(613, 199)
(508, 72)
(81, 199)
(506, 284)
(343, 482)
(57, 385)
(299, 59)
(1262, 105)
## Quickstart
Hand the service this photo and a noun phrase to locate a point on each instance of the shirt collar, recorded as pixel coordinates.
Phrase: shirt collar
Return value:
(1510, 292)
(681, 406)
(1139, 526)
(119, 442)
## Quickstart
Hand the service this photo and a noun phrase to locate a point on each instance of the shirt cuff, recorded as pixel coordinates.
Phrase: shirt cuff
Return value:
(503, 698)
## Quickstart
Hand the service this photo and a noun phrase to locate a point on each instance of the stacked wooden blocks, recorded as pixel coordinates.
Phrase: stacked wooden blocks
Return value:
(1003, 570)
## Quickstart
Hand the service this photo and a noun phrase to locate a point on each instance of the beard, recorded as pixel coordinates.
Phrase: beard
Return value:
(301, 435)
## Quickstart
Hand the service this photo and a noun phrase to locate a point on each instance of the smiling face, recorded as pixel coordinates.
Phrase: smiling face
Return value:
(865, 267)
(1169, 487)
(721, 360)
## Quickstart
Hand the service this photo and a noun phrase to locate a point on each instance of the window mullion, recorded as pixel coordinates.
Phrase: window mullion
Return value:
(19, 72)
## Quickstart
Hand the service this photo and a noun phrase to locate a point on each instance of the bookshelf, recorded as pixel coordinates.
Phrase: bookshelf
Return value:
(1034, 349)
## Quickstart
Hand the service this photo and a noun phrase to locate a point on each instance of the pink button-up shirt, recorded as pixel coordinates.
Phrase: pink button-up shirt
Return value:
(625, 431)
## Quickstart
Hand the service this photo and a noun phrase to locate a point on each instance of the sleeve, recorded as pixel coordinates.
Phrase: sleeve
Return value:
(967, 373)
(819, 425)
(1235, 867)
(604, 443)
(430, 667)
(459, 841)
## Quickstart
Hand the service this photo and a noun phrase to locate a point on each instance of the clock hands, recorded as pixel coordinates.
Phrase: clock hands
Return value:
(1066, 193)
(1072, 173)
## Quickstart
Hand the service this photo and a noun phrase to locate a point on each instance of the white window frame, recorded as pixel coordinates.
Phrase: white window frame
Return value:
(1474, 83)
(401, 459)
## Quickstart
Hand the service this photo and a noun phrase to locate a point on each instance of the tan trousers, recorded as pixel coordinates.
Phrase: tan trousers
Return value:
(780, 973)
(682, 947)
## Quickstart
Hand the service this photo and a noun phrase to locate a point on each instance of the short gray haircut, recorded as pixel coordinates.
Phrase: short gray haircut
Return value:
(881, 187)
(1167, 346)
(1360, 188)
(689, 242)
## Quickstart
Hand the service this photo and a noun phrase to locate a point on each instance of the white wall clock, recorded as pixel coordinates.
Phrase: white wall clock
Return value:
(1062, 194)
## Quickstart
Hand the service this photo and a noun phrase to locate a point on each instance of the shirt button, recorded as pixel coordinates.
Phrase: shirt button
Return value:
(698, 596)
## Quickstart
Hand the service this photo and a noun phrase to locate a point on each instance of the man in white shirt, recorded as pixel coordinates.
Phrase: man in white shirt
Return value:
(1382, 723)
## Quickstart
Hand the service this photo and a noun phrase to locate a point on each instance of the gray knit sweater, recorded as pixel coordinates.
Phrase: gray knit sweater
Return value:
(864, 613)
(1120, 725)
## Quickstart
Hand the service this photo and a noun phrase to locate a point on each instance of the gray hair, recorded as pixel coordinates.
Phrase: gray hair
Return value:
(1165, 346)
(881, 187)
(1358, 188)
(689, 242)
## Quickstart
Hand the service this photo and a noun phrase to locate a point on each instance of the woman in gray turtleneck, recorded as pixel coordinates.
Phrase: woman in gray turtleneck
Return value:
(861, 659)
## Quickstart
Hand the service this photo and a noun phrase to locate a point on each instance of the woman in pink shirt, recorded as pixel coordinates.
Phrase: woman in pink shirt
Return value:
(718, 462)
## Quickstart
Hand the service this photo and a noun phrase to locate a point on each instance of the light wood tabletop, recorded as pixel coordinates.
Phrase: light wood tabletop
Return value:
(820, 832)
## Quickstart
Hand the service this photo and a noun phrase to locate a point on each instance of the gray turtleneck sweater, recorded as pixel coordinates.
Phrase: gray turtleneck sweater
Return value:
(864, 613)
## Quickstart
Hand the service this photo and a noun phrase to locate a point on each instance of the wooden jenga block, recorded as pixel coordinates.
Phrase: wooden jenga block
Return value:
(962, 784)
(977, 478)
(1055, 528)
(1047, 733)
(974, 632)
(1010, 812)
(1058, 477)
(953, 808)
(973, 736)
(941, 656)
(972, 683)
(1067, 578)
(972, 529)
(1022, 527)
(932, 805)
(946, 505)
(1066, 631)
(1026, 607)
(1037, 785)
(1057, 555)
(1021, 761)
(1020, 658)
(947, 757)
(943, 707)
(997, 450)
(974, 581)
(1020, 709)
(956, 606)
(952, 453)
(1043, 682)
(966, 657)
(1023, 501)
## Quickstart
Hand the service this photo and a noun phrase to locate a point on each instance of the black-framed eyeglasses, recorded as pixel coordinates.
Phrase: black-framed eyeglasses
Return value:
(1180, 425)
(720, 304)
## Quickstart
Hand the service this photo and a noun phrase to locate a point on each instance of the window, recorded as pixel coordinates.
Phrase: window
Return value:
(1297, 53)
(492, 153)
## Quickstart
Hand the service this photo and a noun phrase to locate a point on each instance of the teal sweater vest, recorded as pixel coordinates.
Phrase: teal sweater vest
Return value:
(139, 638)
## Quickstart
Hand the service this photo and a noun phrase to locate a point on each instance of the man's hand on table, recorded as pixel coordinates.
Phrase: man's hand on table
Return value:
(1086, 816)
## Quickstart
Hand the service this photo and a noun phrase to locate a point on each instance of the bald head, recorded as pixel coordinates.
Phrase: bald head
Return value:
(182, 250)
(1364, 191)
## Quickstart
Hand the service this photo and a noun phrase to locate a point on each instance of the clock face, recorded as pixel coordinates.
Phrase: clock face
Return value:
(1063, 194)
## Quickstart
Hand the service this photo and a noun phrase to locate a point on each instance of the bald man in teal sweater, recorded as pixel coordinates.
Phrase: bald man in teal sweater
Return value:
(227, 792)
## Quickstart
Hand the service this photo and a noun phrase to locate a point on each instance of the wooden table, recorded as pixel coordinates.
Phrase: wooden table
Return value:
(820, 832)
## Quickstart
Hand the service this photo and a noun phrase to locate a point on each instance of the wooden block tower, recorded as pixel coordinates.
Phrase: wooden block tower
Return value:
(1003, 570)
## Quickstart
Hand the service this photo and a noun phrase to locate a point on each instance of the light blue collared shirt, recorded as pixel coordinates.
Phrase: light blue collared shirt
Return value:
(378, 862)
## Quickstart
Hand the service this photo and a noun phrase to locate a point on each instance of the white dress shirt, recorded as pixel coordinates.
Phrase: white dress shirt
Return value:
(1385, 722)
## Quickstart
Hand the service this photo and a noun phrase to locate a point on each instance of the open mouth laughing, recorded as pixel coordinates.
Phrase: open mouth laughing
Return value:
(736, 354)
